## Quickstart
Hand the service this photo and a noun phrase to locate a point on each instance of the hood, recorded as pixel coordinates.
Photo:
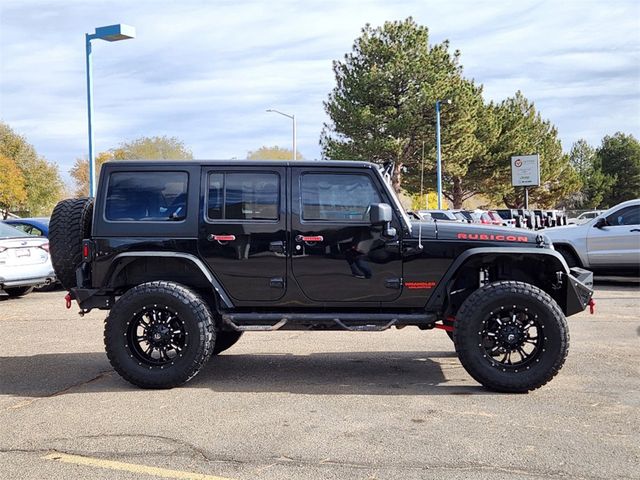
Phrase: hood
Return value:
(485, 233)
(560, 231)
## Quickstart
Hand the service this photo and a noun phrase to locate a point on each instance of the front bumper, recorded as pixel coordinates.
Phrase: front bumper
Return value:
(579, 290)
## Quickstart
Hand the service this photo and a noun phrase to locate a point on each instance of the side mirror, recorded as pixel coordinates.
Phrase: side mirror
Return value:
(380, 213)
(601, 223)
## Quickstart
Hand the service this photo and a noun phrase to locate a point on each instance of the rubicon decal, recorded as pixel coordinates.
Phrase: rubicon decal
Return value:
(491, 236)
(419, 285)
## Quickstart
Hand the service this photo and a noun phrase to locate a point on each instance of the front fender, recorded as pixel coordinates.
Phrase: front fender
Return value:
(573, 298)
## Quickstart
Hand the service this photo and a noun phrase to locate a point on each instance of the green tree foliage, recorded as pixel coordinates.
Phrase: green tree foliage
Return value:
(153, 148)
(382, 107)
(619, 158)
(143, 148)
(522, 131)
(595, 183)
(273, 153)
(42, 181)
(12, 191)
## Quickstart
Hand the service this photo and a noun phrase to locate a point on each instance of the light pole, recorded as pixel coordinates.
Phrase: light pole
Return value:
(293, 119)
(110, 33)
(438, 156)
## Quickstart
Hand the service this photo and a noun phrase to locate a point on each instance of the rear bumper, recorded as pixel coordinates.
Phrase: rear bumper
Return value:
(25, 282)
(579, 290)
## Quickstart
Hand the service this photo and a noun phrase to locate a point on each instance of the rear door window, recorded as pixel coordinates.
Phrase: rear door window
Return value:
(147, 196)
(243, 196)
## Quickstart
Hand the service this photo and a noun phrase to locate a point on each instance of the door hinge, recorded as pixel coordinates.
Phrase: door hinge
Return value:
(276, 282)
(394, 283)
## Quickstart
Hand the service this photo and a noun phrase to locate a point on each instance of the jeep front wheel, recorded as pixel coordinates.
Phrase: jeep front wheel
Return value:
(159, 335)
(511, 336)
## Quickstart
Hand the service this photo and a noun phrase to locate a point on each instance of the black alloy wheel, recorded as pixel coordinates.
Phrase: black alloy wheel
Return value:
(159, 334)
(511, 336)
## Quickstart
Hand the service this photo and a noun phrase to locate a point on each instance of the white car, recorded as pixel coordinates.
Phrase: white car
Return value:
(584, 217)
(24, 262)
(440, 215)
(608, 243)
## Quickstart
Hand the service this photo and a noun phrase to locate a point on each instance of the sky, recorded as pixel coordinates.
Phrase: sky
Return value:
(206, 71)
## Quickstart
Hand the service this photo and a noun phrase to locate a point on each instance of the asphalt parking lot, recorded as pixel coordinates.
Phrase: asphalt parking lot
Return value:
(315, 405)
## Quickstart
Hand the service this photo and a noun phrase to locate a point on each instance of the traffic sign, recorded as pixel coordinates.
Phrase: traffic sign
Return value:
(525, 170)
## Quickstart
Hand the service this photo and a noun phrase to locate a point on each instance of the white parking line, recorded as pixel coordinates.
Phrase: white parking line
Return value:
(130, 467)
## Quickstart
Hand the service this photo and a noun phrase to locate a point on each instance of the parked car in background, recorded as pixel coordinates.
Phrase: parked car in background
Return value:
(584, 217)
(609, 243)
(24, 262)
(494, 218)
(441, 215)
(31, 226)
(460, 216)
(510, 216)
(469, 216)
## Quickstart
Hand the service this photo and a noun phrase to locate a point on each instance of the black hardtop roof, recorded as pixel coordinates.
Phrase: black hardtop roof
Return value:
(245, 163)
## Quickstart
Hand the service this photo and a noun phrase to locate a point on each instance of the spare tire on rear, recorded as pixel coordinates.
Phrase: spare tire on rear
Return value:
(70, 223)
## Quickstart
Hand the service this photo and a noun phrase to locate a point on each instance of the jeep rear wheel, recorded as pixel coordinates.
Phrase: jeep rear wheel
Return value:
(70, 224)
(511, 336)
(159, 335)
(225, 339)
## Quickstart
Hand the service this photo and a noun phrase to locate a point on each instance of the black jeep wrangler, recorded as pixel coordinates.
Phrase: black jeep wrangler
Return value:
(188, 255)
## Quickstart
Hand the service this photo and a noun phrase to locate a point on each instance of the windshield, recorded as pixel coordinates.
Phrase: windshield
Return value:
(395, 199)
(7, 231)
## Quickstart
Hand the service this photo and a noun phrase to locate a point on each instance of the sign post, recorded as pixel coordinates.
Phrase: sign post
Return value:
(525, 172)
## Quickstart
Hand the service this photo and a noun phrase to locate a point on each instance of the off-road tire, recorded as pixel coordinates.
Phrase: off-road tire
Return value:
(471, 319)
(193, 313)
(569, 257)
(18, 291)
(225, 339)
(70, 224)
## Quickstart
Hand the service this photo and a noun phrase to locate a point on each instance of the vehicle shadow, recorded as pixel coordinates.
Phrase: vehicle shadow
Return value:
(330, 373)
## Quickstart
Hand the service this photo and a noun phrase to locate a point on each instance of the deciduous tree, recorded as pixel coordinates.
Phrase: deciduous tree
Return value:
(12, 192)
(42, 181)
(143, 148)
(273, 153)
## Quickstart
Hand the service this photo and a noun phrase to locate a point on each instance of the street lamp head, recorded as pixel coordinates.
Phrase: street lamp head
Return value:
(446, 101)
(113, 33)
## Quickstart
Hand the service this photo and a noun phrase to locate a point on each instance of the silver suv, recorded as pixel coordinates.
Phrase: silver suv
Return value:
(608, 243)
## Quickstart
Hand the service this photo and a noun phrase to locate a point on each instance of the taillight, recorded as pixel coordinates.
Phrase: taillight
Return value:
(45, 246)
(87, 250)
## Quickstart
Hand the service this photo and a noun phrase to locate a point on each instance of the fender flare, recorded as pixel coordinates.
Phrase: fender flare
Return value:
(215, 284)
(436, 300)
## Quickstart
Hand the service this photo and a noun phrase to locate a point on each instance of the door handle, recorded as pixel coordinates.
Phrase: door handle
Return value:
(635, 229)
(221, 239)
(309, 238)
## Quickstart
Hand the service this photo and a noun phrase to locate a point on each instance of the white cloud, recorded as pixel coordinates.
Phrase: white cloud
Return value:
(206, 71)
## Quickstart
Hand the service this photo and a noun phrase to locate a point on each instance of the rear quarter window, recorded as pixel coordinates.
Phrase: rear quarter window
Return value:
(147, 196)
